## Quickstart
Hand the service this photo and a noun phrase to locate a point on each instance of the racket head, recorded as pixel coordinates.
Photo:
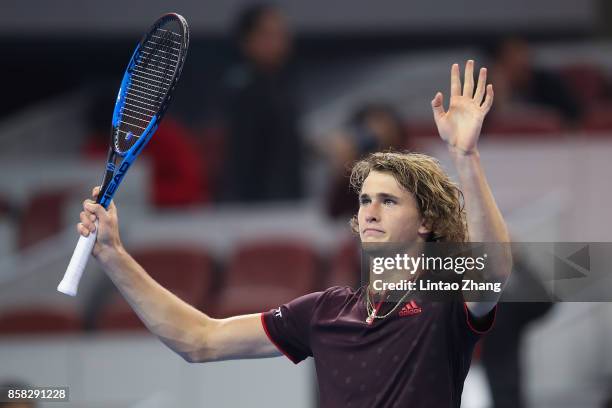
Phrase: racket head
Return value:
(148, 83)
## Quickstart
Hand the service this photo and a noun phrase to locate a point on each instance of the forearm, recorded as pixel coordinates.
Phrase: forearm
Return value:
(178, 325)
(485, 222)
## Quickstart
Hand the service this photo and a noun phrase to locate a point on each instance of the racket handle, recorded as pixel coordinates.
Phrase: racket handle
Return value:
(70, 283)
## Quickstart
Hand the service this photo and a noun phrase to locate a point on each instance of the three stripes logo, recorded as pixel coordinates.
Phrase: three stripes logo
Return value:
(409, 309)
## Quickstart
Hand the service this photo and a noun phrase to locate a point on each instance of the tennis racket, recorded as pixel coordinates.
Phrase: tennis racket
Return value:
(144, 96)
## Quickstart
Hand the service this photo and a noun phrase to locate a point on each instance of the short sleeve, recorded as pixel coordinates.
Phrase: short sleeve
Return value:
(288, 326)
(469, 325)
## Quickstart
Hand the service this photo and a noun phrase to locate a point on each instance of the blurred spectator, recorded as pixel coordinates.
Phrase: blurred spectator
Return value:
(264, 158)
(178, 170)
(373, 127)
(179, 177)
(519, 85)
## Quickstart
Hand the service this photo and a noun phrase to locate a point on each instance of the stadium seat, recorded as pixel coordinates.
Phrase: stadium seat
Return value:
(118, 315)
(42, 217)
(261, 276)
(598, 120)
(39, 320)
(344, 266)
(188, 273)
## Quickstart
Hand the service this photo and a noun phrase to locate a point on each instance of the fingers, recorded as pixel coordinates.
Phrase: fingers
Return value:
(87, 224)
(468, 86)
(480, 88)
(437, 105)
(87, 206)
(97, 210)
(94, 209)
(112, 210)
(468, 82)
(93, 212)
(488, 99)
(455, 81)
(82, 230)
(87, 218)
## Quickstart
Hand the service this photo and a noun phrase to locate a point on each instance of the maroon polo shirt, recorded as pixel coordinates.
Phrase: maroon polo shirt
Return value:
(417, 357)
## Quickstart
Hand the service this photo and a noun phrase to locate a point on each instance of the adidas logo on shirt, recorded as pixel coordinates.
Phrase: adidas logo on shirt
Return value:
(409, 309)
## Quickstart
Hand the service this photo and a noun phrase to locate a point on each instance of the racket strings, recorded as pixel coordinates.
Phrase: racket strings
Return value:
(151, 79)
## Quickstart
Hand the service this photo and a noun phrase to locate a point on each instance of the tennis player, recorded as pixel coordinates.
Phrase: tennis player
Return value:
(398, 355)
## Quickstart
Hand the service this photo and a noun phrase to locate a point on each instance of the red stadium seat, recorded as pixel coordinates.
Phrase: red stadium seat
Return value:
(587, 82)
(598, 120)
(188, 273)
(42, 217)
(345, 268)
(261, 276)
(118, 315)
(37, 321)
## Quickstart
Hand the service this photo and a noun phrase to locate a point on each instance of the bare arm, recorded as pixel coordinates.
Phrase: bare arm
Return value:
(187, 331)
(460, 128)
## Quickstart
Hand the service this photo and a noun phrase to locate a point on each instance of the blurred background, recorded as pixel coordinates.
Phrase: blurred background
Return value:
(241, 201)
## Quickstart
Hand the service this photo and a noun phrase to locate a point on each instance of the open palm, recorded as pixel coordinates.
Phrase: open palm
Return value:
(460, 125)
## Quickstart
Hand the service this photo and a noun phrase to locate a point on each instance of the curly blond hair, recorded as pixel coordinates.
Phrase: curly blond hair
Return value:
(439, 200)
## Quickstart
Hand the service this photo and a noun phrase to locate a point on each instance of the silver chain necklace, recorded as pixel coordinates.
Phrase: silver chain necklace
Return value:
(372, 312)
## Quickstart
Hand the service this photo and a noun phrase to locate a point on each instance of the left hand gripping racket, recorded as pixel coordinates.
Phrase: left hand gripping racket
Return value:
(144, 96)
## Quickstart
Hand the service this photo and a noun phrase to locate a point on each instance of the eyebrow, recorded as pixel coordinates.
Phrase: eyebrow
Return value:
(381, 196)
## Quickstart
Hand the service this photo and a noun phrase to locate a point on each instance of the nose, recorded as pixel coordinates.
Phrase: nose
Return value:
(372, 213)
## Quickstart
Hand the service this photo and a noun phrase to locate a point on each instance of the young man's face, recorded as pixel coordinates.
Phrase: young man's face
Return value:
(388, 212)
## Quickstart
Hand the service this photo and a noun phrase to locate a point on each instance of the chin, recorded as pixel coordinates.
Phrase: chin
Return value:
(373, 239)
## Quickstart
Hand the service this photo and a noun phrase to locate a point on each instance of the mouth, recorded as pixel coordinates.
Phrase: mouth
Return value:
(375, 232)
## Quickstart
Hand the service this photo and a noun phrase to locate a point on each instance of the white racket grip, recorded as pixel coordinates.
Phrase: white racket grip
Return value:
(70, 283)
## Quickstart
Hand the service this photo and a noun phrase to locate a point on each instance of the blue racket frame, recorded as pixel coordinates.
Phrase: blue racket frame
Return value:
(114, 174)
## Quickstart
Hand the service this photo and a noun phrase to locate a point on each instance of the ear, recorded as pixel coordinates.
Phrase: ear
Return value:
(424, 228)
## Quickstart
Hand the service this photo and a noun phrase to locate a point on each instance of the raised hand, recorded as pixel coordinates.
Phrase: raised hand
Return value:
(460, 126)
